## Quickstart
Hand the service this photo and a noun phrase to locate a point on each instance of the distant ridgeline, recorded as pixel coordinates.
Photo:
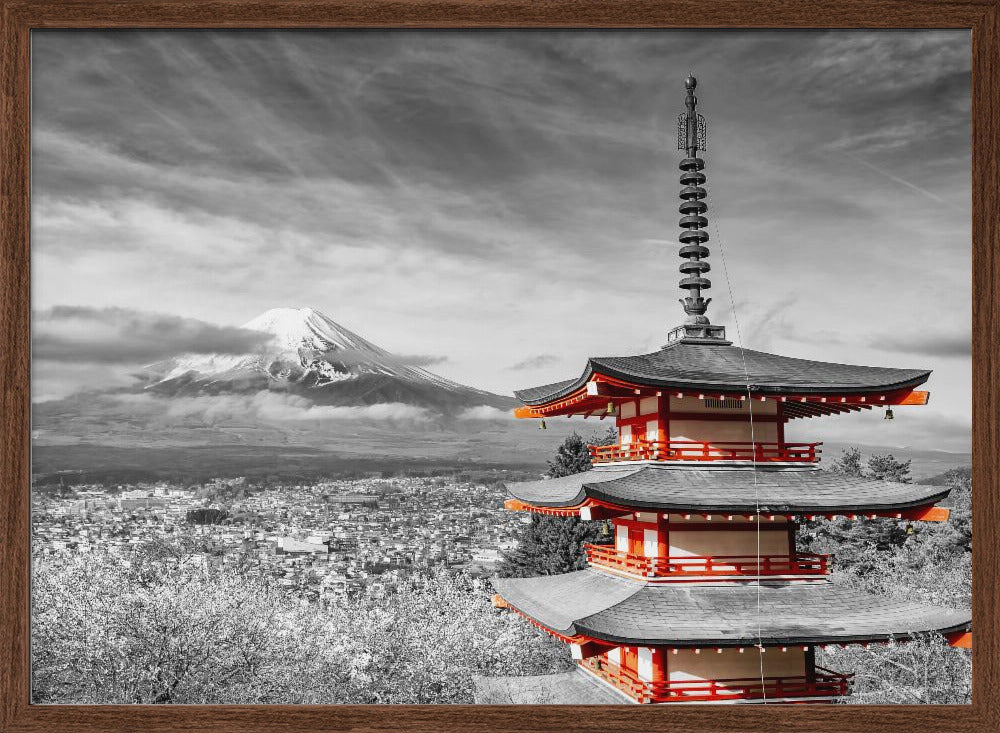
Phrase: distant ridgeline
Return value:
(75, 465)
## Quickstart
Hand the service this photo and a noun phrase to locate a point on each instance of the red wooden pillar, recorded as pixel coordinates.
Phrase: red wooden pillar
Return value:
(630, 659)
(659, 664)
(662, 537)
(636, 536)
(664, 418)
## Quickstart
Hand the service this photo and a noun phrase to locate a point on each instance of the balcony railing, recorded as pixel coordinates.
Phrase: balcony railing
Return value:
(694, 450)
(824, 683)
(719, 566)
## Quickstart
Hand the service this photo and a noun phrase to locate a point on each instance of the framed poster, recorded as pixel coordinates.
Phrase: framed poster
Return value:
(281, 282)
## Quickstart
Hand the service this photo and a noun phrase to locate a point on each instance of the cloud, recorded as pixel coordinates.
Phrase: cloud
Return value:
(912, 186)
(80, 334)
(914, 428)
(353, 357)
(497, 195)
(59, 379)
(942, 345)
(535, 362)
(763, 328)
(420, 360)
(486, 412)
(267, 406)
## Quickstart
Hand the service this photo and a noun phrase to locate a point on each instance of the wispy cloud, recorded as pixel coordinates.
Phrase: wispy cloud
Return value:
(535, 362)
(353, 357)
(125, 336)
(267, 407)
(420, 360)
(487, 413)
(765, 325)
(932, 345)
(912, 186)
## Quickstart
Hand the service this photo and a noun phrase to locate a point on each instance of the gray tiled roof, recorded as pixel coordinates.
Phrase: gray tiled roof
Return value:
(682, 488)
(725, 614)
(713, 367)
(561, 599)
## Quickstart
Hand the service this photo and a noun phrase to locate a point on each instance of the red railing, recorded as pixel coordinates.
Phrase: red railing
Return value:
(715, 566)
(824, 683)
(694, 450)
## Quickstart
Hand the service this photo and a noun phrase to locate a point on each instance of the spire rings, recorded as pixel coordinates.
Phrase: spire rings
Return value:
(693, 250)
(693, 192)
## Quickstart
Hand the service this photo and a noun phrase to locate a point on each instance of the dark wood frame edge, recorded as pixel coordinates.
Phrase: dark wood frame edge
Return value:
(19, 17)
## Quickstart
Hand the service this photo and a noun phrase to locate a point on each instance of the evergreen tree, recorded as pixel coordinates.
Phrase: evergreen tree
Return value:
(553, 545)
(945, 542)
(550, 546)
(887, 468)
(608, 436)
(571, 457)
(849, 463)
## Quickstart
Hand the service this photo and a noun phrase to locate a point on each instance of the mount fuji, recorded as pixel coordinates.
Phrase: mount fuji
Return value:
(308, 354)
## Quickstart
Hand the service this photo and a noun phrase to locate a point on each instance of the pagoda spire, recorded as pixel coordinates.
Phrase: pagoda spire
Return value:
(693, 223)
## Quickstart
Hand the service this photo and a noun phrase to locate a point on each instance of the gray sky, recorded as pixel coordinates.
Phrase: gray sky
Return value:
(506, 202)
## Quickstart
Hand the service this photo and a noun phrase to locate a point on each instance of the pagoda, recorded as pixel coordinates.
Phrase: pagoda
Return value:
(702, 596)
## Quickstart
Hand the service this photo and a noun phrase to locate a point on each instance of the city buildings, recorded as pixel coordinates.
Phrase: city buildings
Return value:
(321, 541)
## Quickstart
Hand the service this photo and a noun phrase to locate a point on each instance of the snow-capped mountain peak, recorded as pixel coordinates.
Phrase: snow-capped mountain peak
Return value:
(305, 351)
(292, 329)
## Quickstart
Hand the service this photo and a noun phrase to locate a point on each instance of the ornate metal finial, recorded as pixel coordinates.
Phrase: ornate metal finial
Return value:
(691, 136)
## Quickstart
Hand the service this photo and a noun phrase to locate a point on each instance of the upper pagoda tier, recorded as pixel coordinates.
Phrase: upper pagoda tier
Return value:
(697, 360)
(720, 369)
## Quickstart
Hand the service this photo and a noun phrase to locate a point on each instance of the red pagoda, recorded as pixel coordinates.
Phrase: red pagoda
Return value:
(702, 596)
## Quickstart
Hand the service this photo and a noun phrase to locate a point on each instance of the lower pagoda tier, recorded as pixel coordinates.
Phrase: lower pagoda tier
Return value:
(729, 642)
(737, 490)
(597, 606)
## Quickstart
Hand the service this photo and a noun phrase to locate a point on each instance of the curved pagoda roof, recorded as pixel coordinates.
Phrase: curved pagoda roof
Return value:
(618, 610)
(719, 367)
(691, 490)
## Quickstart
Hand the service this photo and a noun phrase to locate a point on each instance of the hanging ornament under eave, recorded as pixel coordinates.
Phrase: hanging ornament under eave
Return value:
(610, 409)
(888, 413)
(542, 426)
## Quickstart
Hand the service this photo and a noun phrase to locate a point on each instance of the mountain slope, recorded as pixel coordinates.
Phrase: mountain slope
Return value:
(310, 355)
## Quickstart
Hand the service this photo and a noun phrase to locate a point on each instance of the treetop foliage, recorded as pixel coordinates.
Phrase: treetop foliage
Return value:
(206, 515)
(929, 562)
(113, 629)
(883, 467)
(554, 545)
(854, 543)
(571, 457)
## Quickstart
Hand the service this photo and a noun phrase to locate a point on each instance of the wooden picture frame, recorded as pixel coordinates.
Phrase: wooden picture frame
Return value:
(20, 17)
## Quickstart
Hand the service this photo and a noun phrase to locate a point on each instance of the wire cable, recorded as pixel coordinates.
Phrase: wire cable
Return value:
(753, 439)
